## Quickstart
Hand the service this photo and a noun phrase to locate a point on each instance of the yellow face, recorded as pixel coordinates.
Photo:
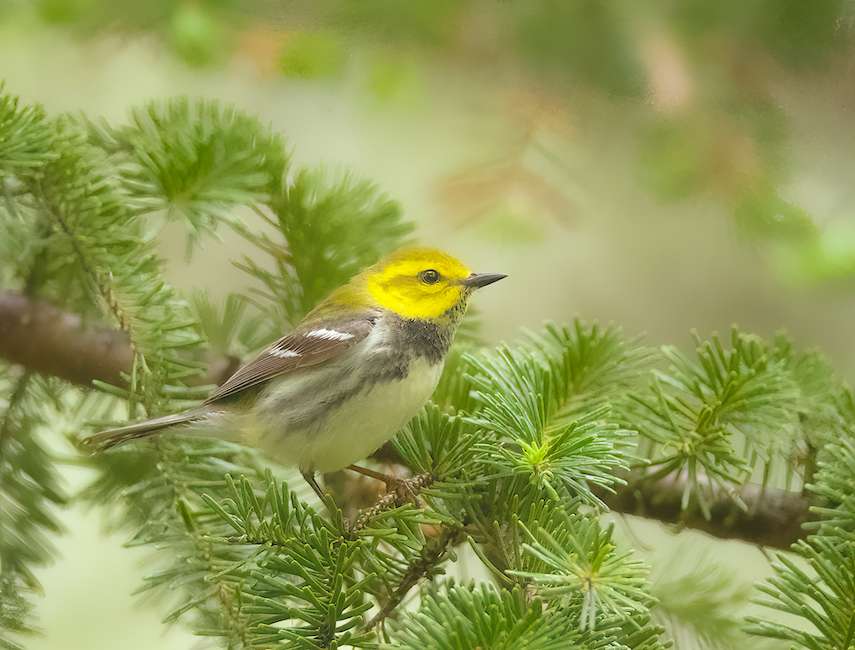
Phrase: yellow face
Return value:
(417, 283)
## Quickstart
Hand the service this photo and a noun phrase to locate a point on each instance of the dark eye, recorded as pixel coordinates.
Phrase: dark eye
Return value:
(429, 277)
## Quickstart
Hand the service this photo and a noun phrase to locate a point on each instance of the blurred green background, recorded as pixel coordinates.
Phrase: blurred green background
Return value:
(664, 165)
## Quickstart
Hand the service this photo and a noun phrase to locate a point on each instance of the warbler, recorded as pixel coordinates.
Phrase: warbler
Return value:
(350, 375)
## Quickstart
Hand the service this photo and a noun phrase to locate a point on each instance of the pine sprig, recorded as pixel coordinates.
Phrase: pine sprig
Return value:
(521, 397)
(697, 414)
(689, 441)
(592, 363)
(323, 216)
(16, 611)
(30, 493)
(98, 255)
(461, 618)
(26, 137)
(824, 596)
(198, 161)
(835, 483)
(637, 632)
(569, 557)
(271, 517)
(438, 444)
(170, 504)
(823, 593)
(303, 573)
(747, 388)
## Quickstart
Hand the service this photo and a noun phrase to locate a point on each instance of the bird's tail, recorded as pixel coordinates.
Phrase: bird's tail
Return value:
(120, 435)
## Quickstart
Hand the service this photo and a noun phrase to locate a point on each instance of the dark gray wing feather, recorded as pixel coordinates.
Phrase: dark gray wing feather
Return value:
(304, 347)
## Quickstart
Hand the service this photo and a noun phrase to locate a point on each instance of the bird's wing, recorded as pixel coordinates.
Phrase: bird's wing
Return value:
(301, 348)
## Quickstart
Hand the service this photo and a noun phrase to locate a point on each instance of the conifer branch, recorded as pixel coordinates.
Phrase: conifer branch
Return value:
(49, 203)
(394, 498)
(772, 517)
(50, 341)
(54, 342)
(418, 567)
(200, 552)
(29, 493)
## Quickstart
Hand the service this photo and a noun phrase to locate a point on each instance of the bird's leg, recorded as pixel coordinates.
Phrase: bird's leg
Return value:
(329, 502)
(310, 479)
(404, 489)
(372, 474)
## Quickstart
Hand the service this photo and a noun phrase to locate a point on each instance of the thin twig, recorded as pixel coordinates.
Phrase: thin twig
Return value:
(393, 498)
(417, 568)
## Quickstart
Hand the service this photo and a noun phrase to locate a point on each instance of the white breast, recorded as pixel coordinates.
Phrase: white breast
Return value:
(354, 427)
(361, 425)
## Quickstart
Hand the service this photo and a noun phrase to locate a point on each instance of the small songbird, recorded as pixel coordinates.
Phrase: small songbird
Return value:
(353, 372)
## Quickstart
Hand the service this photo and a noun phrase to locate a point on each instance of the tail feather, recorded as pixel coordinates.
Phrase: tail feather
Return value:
(113, 437)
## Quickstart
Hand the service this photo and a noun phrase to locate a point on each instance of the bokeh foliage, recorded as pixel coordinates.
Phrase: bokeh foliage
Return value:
(522, 440)
(697, 86)
(512, 457)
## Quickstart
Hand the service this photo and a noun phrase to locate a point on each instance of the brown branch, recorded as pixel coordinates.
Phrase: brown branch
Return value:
(45, 339)
(772, 518)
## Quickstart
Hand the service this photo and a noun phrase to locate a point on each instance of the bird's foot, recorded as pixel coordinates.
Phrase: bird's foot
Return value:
(403, 489)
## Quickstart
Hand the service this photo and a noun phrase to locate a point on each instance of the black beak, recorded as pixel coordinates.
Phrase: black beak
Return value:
(478, 280)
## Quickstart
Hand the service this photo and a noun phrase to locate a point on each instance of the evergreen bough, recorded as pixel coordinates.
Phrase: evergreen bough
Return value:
(517, 454)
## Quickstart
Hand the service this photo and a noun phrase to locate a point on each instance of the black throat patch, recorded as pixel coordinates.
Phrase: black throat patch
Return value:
(411, 339)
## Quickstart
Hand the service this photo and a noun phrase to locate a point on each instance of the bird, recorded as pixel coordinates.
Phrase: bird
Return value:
(353, 372)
